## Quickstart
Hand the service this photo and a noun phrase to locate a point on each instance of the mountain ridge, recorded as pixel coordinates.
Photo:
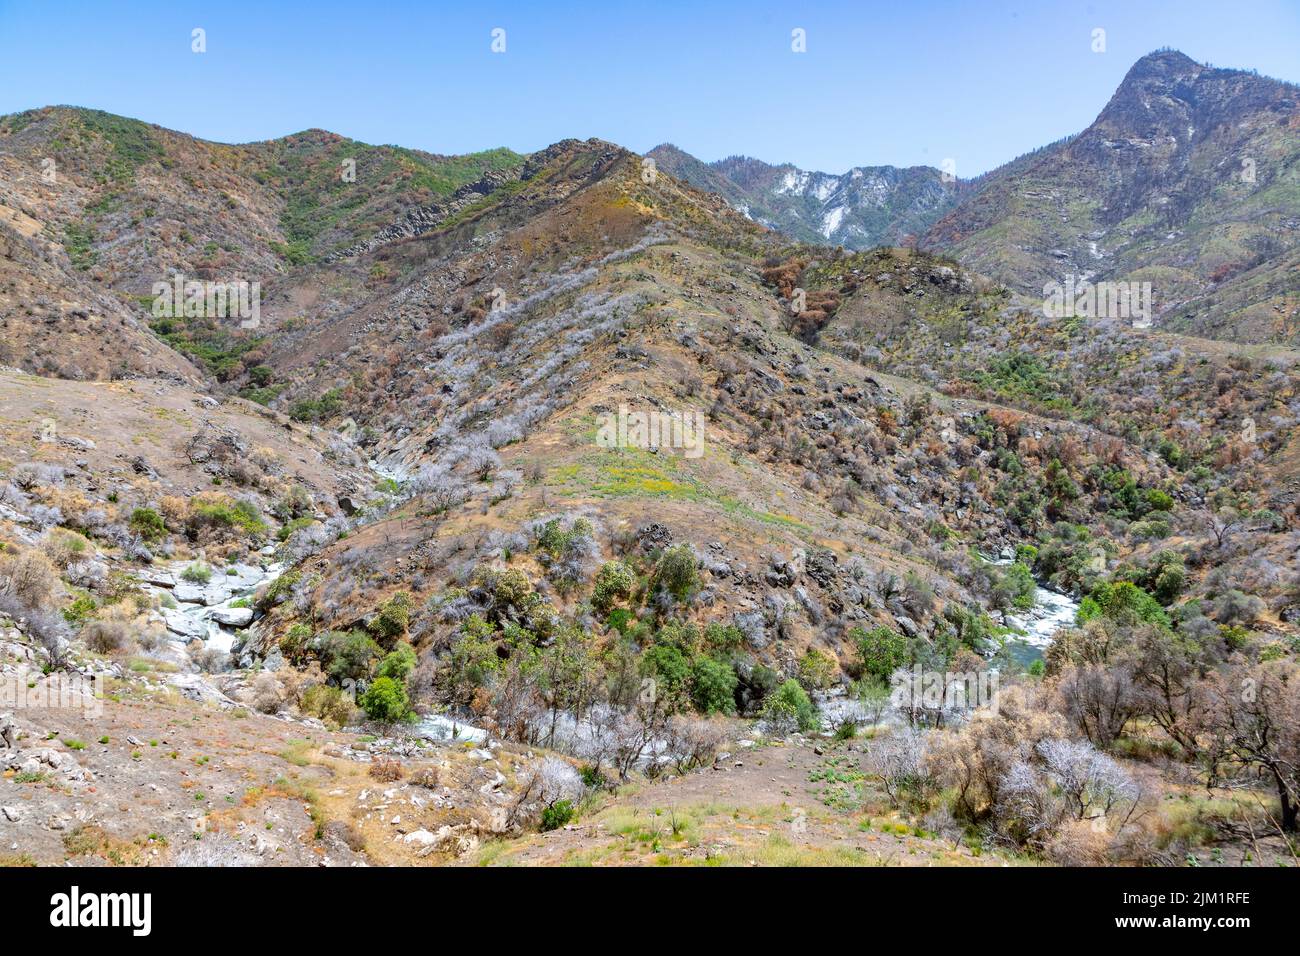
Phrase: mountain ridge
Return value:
(1189, 178)
(863, 207)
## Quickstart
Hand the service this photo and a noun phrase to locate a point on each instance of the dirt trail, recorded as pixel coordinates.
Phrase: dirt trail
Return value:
(771, 805)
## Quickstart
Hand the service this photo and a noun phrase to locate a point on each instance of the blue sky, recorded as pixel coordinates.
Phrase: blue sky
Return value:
(904, 82)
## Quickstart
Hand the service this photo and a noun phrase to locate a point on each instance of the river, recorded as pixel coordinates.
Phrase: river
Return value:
(1051, 611)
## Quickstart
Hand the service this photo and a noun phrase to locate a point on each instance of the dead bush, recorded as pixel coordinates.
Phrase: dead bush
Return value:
(210, 660)
(29, 577)
(330, 704)
(694, 742)
(118, 628)
(976, 759)
(341, 831)
(1100, 701)
(266, 694)
(386, 770)
(426, 777)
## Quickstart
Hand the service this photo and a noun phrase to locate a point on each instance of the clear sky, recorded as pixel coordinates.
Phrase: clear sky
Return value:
(903, 82)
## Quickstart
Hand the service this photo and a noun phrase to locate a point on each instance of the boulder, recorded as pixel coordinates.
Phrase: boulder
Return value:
(422, 837)
(181, 624)
(233, 616)
(206, 594)
(907, 625)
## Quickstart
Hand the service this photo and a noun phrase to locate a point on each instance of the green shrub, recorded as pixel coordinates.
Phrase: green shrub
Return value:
(1015, 587)
(592, 776)
(80, 610)
(296, 502)
(790, 707)
(473, 658)
(1235, 637)
(293, 645)
(816, 669)
(1159, 500)
(676, 573)
(227, 515)
(620, 619)
(554, 541)
(1123, 602)
(147, 523)
(399, 664)
(723, 638)
(614, 582)
(763, 680)
(278, 589)
(668, 665)
(331, 704)
(385, 700)
(881, 650)
(1164, 576)
(1026, 554)
(197, 573)
(348, 654)
(313, 410)
(290, 527)
(557, 814)
(392, 618)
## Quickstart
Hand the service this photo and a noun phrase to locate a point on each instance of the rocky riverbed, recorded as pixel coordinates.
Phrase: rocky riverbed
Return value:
(212, 610)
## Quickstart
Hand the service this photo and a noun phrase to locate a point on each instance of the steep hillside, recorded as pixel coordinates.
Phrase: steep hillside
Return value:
(106, 206)
(866, 206)
(54, 321)
(1221, 416)
(616, 293)
(1189, 179)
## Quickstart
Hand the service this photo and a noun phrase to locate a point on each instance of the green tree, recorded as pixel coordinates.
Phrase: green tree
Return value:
(670, 668)
(349, 655)
(1123, 602)
(713, 686)
(816, 669)
(676, 573)
(385, 700)
(881, 650)
(614, 583)
(473, 658)
(392, 619)
(567, 673)
(147, 523)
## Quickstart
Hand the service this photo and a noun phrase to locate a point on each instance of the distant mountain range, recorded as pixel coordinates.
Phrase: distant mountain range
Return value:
(1188, 179)
(865, 207)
